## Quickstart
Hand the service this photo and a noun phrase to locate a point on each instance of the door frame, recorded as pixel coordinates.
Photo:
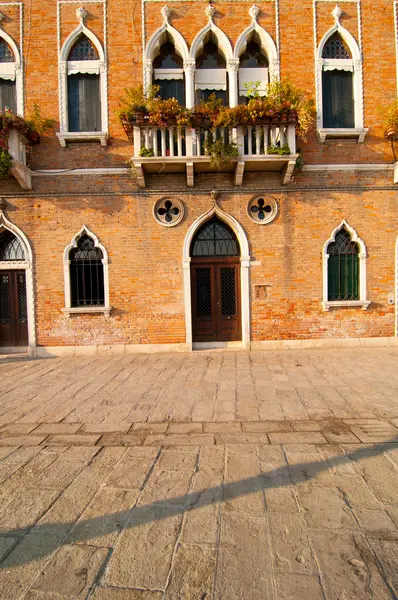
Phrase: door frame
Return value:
(244, 272)
(27, 266)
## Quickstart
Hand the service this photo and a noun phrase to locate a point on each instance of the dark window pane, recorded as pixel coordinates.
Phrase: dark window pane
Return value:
(203, 292)
(22, 301)
(84, 106)
(203, 95)
(343, 268)
(83, 49)
(336, 47)
(6, 54)
(172, 88)
(253, 56)
(228, 291)
(8, 96)
(215, 238)
(11, 247)
(210, 58)
(168, 58)
(5, 313)
(86, 274)
(338, 99)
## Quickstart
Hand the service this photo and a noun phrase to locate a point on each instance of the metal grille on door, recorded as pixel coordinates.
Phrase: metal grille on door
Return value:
(228, 291)
(203, 292)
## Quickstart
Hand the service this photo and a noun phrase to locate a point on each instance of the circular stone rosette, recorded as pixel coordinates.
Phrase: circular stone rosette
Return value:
(262, 209)
(168, 211)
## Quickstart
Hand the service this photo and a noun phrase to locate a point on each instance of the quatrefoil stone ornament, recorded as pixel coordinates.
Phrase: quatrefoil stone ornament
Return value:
(168, 211)
(262, 210)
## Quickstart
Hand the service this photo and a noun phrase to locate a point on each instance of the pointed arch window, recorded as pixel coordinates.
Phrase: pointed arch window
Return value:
(337, 84)
(345, 269)
(253, 67)
(11, 247)
(86, 275)
(211, 73)
(8, 88)
(168, 73)
(83, 88)
(215, 238)
(84, 103)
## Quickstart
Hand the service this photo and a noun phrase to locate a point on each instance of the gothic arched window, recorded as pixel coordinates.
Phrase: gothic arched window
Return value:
(168, 73)
(343, 268)
(215, 238)
(253, 68)
(11, 247)
(337, 84)
(86, 274)
(8, 96)
(211, 73)
(84, 103)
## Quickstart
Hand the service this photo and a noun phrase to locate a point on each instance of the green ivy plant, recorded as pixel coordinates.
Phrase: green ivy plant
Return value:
(220, 152)
(146, 152)
(281, 150)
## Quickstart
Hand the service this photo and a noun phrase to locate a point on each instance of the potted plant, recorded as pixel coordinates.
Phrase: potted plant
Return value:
(168, 112)
(30, 129)
(390, 120)
(281, 150)
(146, 152)
(133, 106)
(219, 151)
(285, 98)
(205, 113)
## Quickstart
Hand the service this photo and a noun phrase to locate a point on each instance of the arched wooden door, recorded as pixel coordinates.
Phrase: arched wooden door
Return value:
(215, 284)
(13, 298)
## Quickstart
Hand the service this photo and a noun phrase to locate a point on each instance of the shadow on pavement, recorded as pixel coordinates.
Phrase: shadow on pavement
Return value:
(43, 540)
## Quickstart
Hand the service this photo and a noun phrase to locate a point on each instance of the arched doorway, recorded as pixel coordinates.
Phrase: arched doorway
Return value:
(17, 318)
(215, 283)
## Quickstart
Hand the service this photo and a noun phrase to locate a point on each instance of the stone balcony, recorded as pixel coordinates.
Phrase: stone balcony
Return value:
(17, 148)
(181, 149)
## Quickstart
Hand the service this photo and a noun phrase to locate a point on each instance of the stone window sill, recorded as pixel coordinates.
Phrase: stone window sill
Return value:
(83, 136)
(345, 304)
(358, 133)
(87, 310)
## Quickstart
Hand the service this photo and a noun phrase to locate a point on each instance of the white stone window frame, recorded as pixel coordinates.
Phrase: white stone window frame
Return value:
(65, 68)
(267, 45)
(27, 266)
(13, 71)
(69, 309)
(363, 302)
(355, 65)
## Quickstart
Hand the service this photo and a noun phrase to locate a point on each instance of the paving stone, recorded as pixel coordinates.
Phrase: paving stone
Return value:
(71, 572)
(25, 509)
(57, 428)
(104, 518)
(185, 428)
(132, 470)
(21, 440)
(151, 427)
(230, 427)
(393, 513)
(357, 492)
(266, 426)
(340, 437)
(108, 593)
(168, 487)
(387, 552)
(192, 573)
(244, 561)
(380, 474)
(348, 568)
(243, 485)
(105, 427)
(386, 435)
(278, 489)
(173, 459)
(74, 440)
(290, 543)
(142, 557)
(18, 428)
(308, 425)
(298, 587)
(197, 439)
(325, 509)
(305, 437)
(376, 522)
(6, 543)
(242, 438)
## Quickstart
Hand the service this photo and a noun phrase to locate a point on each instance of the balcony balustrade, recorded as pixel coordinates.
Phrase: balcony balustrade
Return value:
(17, 148)
(178, 149)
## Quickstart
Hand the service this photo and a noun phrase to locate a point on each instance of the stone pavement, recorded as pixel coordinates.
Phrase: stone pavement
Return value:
(209, 476)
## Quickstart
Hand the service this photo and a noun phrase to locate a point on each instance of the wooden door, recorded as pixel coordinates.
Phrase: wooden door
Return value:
(216, 315)
(13, 309)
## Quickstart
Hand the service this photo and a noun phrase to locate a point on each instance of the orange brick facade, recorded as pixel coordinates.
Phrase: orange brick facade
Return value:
(146, 280)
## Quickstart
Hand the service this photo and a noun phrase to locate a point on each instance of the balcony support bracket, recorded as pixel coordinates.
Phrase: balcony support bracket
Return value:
(287, 172)
(239, 170)
(22, 174)
(190, 174)
(140, 174)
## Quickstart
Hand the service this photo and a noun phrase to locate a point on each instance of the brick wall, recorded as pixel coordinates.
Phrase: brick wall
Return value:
(145, 271)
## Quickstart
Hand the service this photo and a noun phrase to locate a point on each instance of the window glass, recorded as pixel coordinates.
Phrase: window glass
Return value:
(343, 268)
(336, 47)
(211, 58)
(253, 57)
(83, 49)
(84, 106)
(8, 95)
(6, 54)
(168, 58)
(338, 99)
(86, 274)
(215, 238)
(11, 247)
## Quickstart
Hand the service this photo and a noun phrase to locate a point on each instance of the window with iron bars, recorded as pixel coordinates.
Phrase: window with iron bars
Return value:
(86, 274)
(343, 268)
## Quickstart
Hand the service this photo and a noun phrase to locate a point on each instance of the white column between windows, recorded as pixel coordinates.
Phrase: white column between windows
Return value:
(232, 69)
(189, 70)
